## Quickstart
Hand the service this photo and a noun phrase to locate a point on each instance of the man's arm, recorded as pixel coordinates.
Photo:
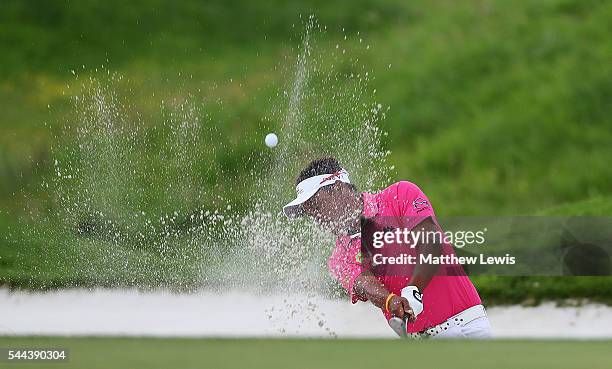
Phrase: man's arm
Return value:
(423, 273)
(368, 286)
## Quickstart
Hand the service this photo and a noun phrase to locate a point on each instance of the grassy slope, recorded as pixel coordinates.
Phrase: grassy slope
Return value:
(225, 354)
(501, 106)
(495, 107)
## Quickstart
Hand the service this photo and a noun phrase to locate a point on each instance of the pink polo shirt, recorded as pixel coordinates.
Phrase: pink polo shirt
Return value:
(444, 297)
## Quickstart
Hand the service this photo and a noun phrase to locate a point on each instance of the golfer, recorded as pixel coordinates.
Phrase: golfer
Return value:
(423, 304)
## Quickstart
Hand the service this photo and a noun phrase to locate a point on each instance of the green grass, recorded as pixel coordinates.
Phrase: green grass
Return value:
(530, 291)
(592, 207)
(495, 107)
(148, 353)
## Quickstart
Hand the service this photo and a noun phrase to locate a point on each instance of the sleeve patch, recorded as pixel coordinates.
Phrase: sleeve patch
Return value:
(419, 204)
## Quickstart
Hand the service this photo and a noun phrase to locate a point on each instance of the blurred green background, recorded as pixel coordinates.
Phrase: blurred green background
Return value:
(496, 107)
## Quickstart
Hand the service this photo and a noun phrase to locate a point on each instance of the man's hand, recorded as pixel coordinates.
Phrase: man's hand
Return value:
(368, 286)
(399, 307)
(415, 299)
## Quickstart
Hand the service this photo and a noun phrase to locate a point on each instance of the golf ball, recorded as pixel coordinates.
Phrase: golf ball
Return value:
(271, 140)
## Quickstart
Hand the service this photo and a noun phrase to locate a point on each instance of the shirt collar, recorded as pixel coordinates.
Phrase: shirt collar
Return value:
(370, 209)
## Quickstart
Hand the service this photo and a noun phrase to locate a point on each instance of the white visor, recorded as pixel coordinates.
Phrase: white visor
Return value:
(308, 187)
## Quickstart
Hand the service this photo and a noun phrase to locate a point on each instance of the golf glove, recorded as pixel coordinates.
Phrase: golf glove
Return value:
(415, 299)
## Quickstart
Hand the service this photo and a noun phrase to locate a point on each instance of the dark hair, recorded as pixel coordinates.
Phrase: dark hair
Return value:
(317, 167)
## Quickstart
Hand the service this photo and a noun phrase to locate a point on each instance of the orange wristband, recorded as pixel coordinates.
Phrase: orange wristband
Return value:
(387, 301)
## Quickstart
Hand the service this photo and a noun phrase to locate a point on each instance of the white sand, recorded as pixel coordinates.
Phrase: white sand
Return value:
(132, 313)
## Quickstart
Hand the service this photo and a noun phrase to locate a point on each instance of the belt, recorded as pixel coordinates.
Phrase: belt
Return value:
(461, 319)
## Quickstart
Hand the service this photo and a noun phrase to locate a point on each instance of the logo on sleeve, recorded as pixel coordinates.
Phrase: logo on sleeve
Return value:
(419, 204)
(358, 257)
